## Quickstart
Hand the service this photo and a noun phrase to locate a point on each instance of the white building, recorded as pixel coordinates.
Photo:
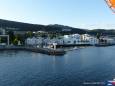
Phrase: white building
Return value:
(80, 39)
(44, 41)
(72, 39)
(88, 39)
(59, 41)
(34, 41)
(66, 39)
(93, 40)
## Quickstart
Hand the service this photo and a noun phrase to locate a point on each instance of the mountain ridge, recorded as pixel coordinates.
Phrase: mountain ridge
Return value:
(20, 26)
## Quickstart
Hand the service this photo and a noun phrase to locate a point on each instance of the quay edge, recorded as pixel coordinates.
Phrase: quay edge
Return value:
(37, 50)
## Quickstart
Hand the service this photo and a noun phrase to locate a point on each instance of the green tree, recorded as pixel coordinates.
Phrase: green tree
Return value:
(98, 36)
(16, 39)
(29, 34)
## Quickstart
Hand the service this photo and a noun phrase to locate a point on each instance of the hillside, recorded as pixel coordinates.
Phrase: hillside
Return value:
(13, 25)
(102, 32)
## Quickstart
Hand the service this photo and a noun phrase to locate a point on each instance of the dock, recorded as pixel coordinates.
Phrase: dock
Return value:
(74, 45)
(47, 51)
(104, 45)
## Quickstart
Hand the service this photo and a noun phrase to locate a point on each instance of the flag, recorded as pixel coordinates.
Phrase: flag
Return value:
(111, 4)
(110, 83)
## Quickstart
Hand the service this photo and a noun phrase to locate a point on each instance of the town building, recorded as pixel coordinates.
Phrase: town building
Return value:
(66, 39)
(72, 39)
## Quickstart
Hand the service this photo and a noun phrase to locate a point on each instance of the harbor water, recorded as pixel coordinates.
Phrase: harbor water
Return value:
(75, 68)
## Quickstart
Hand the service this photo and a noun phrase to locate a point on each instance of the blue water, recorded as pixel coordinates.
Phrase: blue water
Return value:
(91, 64)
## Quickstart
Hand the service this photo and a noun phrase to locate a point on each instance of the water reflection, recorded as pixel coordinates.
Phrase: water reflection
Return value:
(21, 68)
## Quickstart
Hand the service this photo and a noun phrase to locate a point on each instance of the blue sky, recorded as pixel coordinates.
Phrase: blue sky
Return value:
(88, 14)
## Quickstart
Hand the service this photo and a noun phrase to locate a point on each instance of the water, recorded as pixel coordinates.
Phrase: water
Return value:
(92, 64)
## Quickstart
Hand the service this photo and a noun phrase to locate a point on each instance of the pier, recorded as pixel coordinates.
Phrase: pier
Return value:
(74, 45)
(47, 51)
(104, 45)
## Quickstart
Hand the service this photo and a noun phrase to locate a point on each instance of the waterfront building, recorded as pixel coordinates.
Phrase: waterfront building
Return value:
(88, 39)
(4, 36)
(72, 39)
(107, 40)
(2, 31)
(85, 37)
(66, 39)
(33, 41)
(93, 40)
(80, 39)
(43, 41)
(20, 32)
(5, 43)
(59, 41)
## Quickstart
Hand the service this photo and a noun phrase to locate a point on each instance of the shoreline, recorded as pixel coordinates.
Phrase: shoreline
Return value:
(47, 51)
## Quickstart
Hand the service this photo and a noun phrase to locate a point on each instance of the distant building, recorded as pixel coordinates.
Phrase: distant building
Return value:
(33, 41)
(44, 41)
(66, 30)
(86, 38)
(72, 39)
(20, 32)
(80, 39)
(2, 31)
(107, 39)
(66, 39)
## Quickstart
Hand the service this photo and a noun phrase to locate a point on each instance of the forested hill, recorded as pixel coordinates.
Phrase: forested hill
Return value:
(102, 31)
(13, 25)
(36, 27)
